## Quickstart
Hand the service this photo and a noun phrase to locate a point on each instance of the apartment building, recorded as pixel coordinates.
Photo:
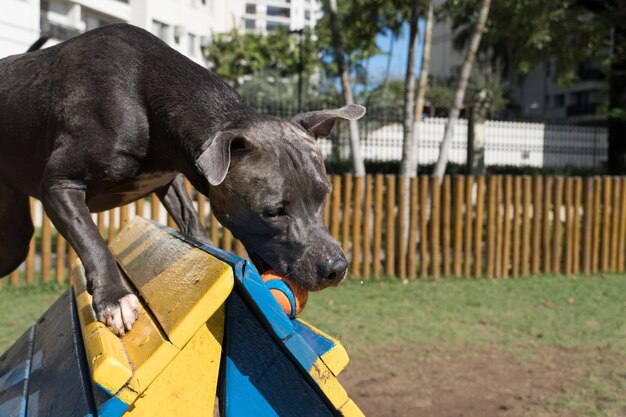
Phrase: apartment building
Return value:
(263, 16)
(536, 95)
(184, 24)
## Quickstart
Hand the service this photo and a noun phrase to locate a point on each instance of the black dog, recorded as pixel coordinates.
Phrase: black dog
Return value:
(110, 116)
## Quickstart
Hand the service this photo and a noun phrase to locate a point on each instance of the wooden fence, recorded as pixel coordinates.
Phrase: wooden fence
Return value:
(497, 226)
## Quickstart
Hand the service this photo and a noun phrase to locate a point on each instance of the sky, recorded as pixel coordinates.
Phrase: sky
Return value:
(378, 63)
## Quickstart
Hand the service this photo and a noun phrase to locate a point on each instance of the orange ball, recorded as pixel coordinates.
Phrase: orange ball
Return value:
(282, 293)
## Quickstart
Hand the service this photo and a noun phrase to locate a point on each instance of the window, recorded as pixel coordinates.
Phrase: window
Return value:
(250, 8)
(271, 26)
(559, 100)
(250, 24)
(191, 44)
(161, 30)
(307, 14)
(278, 11)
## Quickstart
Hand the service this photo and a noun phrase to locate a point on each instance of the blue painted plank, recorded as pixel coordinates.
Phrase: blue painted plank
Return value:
(316, 341)
(59, 384)
(259, 377)
(14, 371)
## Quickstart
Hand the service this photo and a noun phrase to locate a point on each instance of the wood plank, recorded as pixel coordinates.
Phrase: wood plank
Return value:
(547, 225)
(517, 225)
(201, 207)
(597, 222)
(227, 240)
(578, 195)
(569, 225)
(402, 230)
(367, 228)
(492, 194)
(60, 264)
(378, 224)
(423, 213)
(606, 225)
(356, 227)
(478, 233)
(215, 230)
(155, 208)
(112, 224)
(537, 218)
(622, 234)
(435, 224)
(46, 248)
(390, 227)
(469, 223)
(499, 226)
(459, 200)
(335, 207)
(615, 221)
(506, 250)
(346, 212)
(446, 225)
(588, 210)
(413, 225)
(101, 221)
(557, 230)
(240, 250)
(140, 207)
(15, 365)
(526, 200)
(124, 215)
(58, 356)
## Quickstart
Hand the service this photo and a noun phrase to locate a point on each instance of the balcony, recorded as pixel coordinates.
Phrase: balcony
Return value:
(58, 31)
(581, 109)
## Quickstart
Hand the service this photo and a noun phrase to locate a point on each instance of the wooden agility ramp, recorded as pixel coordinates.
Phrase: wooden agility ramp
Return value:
(208, 326)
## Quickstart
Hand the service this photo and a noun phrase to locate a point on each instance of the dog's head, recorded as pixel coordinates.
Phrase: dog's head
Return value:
(269, 187)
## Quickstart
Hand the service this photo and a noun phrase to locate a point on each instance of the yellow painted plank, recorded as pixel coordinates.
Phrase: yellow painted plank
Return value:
(182, 285)
(335, 359)
(188, 386)
(329, 384)
(350, 409)
(186, 294)
(105, 353)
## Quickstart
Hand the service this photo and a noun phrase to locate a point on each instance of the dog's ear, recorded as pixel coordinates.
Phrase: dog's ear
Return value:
(320, 123)
(216, 155)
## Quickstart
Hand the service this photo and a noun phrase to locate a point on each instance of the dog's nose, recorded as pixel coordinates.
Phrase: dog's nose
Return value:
(335, 269)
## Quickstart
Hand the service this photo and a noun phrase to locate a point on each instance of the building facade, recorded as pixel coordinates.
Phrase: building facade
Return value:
(536, 95)
(263, 16)
(184, 24)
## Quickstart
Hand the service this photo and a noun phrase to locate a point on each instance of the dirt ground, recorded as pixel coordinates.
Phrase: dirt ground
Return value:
(472, 382)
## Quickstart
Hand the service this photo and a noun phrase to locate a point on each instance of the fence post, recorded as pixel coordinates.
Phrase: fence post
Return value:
(478, 235)
(606, 225)
(469, 217)
(46, 248)
(367, 229)
(413, 222)
(378, 224)
(402, 232)
(335, 207)
(569, 226)
(446, 197)
(557, 229)
(508, 198)
(390, 254)
(622, 233)
(459, 198)
(537, 211)
(435, 250)
(356, 227)
(517, 224)
(615, 222)
(547, 223)
(597, 216)
(423, 211)
(492, 194)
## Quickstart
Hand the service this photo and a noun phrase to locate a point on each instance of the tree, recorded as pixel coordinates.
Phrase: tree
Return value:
(521, 34)
(455, 110)
(355, 148)
(423, 82)
(408, 165)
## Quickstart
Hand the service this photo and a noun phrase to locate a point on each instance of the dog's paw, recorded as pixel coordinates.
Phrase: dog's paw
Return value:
(119, 317)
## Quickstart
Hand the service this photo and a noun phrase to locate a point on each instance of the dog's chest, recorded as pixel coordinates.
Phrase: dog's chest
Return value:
(128, 190)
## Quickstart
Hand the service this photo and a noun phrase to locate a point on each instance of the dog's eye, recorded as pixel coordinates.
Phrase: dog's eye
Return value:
(277, 211)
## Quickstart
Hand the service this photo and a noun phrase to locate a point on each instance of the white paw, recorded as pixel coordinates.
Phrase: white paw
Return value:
(120, 317)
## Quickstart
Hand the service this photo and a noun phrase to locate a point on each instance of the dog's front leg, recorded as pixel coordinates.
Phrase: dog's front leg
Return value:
(178, 204)
(113, 302)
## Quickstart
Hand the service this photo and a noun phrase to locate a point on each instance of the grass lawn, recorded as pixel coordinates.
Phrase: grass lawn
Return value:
(538, 346)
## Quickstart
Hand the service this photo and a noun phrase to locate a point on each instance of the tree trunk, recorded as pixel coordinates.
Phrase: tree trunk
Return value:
(459, 95)
(476, 133)
(617, 103)
(423, 84)
(355, 148)
(408, 166)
